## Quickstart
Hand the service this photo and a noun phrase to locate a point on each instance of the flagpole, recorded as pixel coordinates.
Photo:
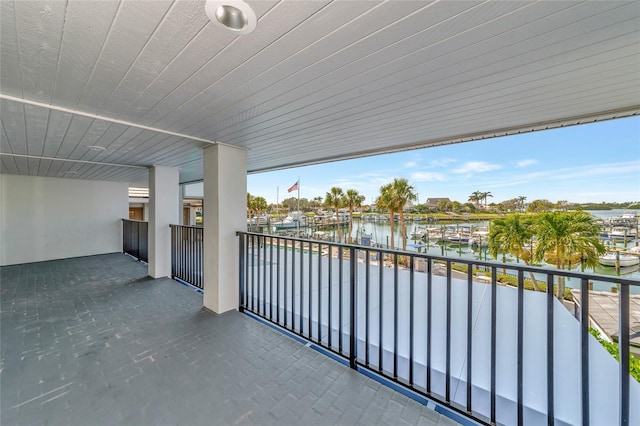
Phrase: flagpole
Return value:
(299, 217)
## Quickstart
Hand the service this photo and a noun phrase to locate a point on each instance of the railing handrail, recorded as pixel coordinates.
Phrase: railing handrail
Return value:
(134, 220)
(187, 254)
(488, 263)
(173, 225)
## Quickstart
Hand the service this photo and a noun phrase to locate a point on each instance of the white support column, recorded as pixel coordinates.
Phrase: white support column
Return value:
(163, 211)
(181, 206)
(224, 210)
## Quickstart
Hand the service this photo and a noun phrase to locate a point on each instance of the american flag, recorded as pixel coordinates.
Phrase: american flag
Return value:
(294, 187)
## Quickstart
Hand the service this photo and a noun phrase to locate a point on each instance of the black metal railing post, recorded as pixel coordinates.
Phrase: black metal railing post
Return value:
(623, 347)
(241, 270)
(584, 347)
(550, 355)
(353, 314)
(520, 346)
(494, 311)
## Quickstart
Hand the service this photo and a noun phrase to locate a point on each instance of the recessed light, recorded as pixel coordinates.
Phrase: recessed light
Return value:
(96, 147)
(234, 15)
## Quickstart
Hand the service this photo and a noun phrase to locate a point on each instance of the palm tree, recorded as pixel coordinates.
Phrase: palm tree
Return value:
(475, 197)
(511, 235)
(405, 194)
(562, 235)
(249, 205)
(387, 201)
(317, 202)
(483, 196)
(335, 199)
(352, 200)
(259, 205)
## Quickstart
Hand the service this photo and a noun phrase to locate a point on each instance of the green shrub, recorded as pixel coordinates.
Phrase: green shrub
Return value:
(612, 348)
(512, 281)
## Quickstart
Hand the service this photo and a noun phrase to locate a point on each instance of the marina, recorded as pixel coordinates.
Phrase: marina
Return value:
(456, 237)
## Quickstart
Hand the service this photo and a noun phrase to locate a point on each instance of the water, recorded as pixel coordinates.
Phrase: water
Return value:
(381, 233)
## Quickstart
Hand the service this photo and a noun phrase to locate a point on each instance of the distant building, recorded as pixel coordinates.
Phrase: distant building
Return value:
(433, 202)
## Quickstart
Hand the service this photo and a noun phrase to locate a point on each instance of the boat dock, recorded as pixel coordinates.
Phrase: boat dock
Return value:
(603, 311)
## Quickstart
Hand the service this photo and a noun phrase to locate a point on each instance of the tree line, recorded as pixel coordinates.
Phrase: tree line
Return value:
(477, 201)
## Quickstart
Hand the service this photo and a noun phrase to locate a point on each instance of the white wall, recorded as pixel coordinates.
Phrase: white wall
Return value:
(52, 218)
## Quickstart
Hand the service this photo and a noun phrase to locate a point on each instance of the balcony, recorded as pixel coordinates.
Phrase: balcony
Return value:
(93, 340)
(497, 354)
(326, 334)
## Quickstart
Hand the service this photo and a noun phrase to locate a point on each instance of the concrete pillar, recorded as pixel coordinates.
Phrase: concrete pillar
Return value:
(224, 207)
(163, 211)
(181, 206)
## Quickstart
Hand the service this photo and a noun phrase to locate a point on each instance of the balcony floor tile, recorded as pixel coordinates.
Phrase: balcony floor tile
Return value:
(93, 340)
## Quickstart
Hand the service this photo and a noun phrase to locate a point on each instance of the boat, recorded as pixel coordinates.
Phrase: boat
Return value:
(626, 219)
(262, 220)
(620, 233)
(419, 233)
(479, 237)
(341, 217)
(458, 238)
(622, 260)
(294, 220)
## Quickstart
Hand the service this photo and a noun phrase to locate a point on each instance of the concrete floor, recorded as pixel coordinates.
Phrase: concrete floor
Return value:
(93, 341)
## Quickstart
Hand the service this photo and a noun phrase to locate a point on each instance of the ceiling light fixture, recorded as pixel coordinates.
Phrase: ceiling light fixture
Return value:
(96, 147)
(234, 15)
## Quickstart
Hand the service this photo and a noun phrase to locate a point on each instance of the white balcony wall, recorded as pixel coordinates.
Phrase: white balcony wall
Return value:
(53, 218)
(296, 305)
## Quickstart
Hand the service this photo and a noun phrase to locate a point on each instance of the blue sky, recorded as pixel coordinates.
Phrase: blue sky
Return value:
(586, 163)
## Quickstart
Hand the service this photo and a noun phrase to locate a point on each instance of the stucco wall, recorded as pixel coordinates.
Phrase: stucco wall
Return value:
(52, 218)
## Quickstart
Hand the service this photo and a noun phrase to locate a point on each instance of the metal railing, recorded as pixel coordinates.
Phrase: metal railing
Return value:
(135, 239)
(494, 353)
(186, 254)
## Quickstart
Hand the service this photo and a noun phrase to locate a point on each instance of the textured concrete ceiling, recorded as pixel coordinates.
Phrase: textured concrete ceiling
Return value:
(113, 87)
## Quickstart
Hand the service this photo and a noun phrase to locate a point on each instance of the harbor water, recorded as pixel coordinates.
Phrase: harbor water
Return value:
(380, 234)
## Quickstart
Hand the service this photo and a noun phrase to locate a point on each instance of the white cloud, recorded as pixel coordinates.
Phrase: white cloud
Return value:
(476, 167)
(410, 164)
(443, 162)
(624, 171)
(427, 176)
(528, 162)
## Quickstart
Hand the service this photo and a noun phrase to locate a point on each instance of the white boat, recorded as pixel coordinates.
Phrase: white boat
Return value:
(620, 233)
(262, 220)
(479, 237)
(294, 220)
(419, 233)
(458, 238)
(610, 259)
(627, 220)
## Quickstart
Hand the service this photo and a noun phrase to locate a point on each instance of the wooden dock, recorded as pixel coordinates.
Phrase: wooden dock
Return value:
(603, 311)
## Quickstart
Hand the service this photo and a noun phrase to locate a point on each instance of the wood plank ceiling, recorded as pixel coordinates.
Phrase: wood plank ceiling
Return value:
(114, 87)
